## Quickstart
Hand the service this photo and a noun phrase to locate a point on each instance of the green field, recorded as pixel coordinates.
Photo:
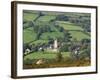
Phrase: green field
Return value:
(36, 42)
(46, 18)
(28, 35)
(29, 16)
(69, 26)
(79, 35)
(43, 30)
(46, 55)
(53, 35)
(76, 31)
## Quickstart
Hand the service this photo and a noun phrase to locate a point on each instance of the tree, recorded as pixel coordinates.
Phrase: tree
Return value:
(41, 14)
(27, 24)
(62, 17)
(75, 49)
(85, 23)
(64, 47)
(59, 57)
(51, 40)
(67, 36)
(86, 53)
(38, 36)
(85, 41)
(61, 29)
(36, 27)
(30, 24)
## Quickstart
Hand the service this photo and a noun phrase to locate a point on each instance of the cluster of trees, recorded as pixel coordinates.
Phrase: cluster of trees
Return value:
(62, 17)
(82, 47)
(64, 47)
(39, 29)
(42, 28)
(79, 49)
(27, 24)
(61, 29)
(59, 57)
(50, 27)
(83, 21)
(39, 15)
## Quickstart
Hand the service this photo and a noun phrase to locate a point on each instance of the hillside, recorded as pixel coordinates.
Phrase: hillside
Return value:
(33, 28)
(58, 39)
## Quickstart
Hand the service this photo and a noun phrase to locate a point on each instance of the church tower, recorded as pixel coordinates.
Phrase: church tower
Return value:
(55, 45)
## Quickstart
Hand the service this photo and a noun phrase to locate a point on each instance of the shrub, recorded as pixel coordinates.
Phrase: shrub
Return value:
(28, 61)
(64, 48)
(59, 57)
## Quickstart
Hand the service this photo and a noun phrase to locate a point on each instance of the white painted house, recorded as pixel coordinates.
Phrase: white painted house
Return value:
(27, 51)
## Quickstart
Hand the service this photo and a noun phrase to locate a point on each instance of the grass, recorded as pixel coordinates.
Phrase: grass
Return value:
(79, 35)
(29, 16)
(46, 55)
(28, 35)
(51, 61)
(39, 55)
(46, 18)
(39, 42)
(73, 29)
(53, 35)
(65, 54)
(76, 31)
(69, 26)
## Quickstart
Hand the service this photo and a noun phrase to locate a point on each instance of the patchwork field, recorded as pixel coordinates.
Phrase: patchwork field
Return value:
(29, 16)
(41, 29)
(75, 31)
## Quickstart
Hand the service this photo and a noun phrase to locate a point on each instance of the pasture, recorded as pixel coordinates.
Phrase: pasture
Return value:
(45, 55)
(28, 35)
(69, 26)
(29, 16)
(41, 29)
(46, 18)
(79, 35)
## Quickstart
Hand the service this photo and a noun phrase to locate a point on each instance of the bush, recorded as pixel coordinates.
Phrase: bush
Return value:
(28, 61)
(59, 57)
(64, 48)
(85, 53)
(62, 17)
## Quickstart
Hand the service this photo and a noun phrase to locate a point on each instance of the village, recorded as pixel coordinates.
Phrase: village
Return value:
(53, 39)
(51, 47)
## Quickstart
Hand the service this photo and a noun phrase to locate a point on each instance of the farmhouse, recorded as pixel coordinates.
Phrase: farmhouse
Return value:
(27, 51)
